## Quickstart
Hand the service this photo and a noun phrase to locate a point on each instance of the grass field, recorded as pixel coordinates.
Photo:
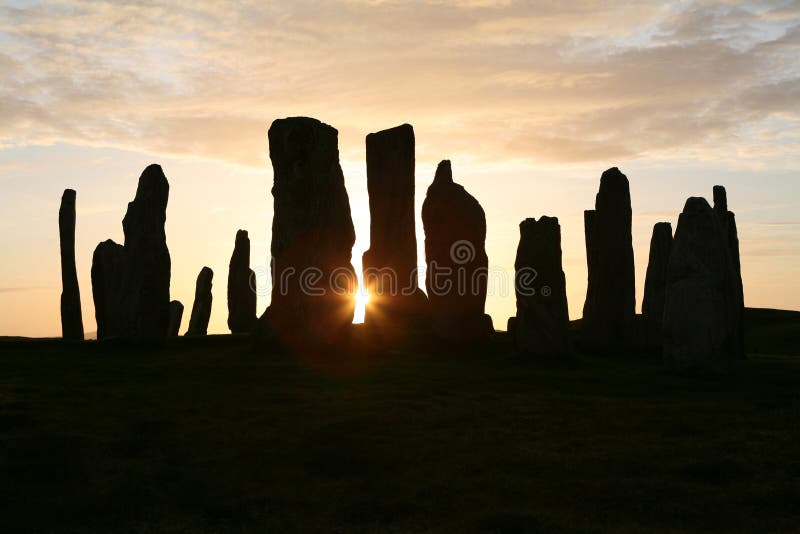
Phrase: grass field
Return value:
(208, 436)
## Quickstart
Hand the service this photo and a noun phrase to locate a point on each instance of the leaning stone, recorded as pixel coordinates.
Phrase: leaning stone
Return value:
(201, 309)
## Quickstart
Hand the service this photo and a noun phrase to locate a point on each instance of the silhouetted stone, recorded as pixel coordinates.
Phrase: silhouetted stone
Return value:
(542, 325)
(144, 308)
(241, 287)
(720, 201)
(655, 284)
(71, 318)
(201, 309)
(175, 317)
(511, 326)
(700, 319)
(609, 311)
(313, 283)
(728, 220)
(455, 236)
(390, 264)
(108, 264)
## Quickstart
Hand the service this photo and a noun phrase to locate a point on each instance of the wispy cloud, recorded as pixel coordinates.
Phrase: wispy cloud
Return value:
(23, 289)
(789, 224)
(555, 82)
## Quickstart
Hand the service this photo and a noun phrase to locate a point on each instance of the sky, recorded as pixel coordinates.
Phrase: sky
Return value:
(530, 100)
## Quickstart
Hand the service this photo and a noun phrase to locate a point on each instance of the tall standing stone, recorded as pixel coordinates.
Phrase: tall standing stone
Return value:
(700, 320)
(542, 322)
(144, 307)
(728, 220)
(314, 283)
(201, 309)
(456, 277)
(655, 284)
(390, 264)
(609, 311)
(108, 264)
(241, 287)
(175, 318)
(71, 318)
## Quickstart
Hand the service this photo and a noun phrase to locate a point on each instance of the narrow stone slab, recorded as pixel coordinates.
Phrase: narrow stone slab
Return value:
(541, 327)
(201, 309)
(655, 285)
(609, 311)
(108, 264)
(396, 302)
(241, 287)
(314, 283)
(71, 318)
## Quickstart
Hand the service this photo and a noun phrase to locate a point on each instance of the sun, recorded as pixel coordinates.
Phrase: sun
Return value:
(362, 298)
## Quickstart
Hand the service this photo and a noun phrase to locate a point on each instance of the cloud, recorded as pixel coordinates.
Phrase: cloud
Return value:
(553, 82)
(22, 289)
(782, 224)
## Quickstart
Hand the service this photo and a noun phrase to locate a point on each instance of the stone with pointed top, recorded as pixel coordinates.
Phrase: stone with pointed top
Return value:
(457, 265)
(201, 308)
(609, 311)
(144, 306)
(241, 287)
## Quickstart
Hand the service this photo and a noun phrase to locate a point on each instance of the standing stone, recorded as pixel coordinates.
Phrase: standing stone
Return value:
(700, 321)
(609, 312)
(108, 263)
(71, 318)
(241, 287)
(456, 278)
(201, 309)
(390, 265)
(655, 284)
(144, 307)
(728, 220)
(175, 317)
(542, 323)
(313, 281)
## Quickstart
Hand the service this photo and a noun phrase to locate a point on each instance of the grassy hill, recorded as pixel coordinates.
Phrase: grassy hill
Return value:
(208, 436)
(772, 331)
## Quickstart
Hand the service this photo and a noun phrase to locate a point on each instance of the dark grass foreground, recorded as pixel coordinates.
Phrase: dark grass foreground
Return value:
(208, 436)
